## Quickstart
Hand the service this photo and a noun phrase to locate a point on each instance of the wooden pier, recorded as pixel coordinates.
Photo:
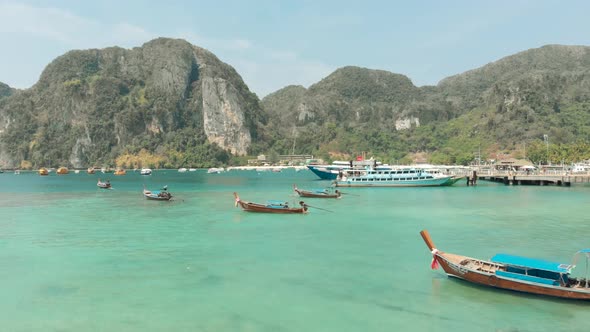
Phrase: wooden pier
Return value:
(535, 180)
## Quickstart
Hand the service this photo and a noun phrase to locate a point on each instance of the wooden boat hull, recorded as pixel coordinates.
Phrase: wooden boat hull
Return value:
(255, 207)
(483, 272)
(304, 193)
(312, 194)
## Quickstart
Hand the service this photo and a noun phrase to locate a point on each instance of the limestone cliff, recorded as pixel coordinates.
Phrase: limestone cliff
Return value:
(90, 106)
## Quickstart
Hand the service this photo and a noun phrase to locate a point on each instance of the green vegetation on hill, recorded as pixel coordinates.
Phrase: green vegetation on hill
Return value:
(172, 104)
(498, 110)
(90, 107)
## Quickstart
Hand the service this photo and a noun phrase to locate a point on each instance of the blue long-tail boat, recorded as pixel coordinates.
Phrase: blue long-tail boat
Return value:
(517, 273)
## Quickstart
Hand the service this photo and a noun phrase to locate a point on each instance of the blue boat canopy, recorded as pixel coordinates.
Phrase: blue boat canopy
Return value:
(531, 263)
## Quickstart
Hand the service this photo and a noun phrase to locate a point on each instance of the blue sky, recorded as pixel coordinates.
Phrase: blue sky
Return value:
(273, 44)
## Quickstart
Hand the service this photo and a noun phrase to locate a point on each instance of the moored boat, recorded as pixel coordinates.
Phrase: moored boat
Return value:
(104, 185)
(157, 195)
(317, 193)
(120, 171)
(43, 171)
(401, 177)
(90, 170)
(522, 274)
(62, 170)
(270, 207)
(182, 170)
(145, 171)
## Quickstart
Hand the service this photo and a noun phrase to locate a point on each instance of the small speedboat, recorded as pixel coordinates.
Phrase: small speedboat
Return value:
(104, 185)
(145, 171)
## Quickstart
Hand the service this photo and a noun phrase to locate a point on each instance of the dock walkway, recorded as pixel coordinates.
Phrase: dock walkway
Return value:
(512, 178)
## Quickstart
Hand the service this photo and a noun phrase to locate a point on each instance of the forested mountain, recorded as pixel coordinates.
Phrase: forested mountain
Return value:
(166, 103)
(498, 109)
(169, 104)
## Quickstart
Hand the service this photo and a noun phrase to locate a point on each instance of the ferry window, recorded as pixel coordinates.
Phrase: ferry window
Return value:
(405, 172)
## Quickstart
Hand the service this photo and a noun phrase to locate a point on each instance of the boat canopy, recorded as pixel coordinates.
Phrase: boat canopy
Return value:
(531, 263)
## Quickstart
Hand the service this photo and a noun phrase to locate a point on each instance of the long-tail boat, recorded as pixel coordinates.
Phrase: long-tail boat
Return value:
(43, 171)
(317, 193)
(522, 274)
(157, 195)
(270, 207)
(104, 185)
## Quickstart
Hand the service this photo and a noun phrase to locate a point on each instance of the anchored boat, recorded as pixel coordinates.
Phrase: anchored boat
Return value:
(104, 185)
(400, 177)
(522, 274)
(270, 207)
(317, 193)
(157, 195)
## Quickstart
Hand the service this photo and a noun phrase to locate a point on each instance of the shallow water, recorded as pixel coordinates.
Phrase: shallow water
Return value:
(78, 258)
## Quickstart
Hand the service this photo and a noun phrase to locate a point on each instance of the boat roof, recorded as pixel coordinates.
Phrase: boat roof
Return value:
(274, 202)
(531, 263)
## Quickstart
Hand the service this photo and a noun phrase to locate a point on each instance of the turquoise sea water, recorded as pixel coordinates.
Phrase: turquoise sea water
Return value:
(78, 258)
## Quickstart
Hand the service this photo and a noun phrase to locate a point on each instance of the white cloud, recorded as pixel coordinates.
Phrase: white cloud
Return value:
(66, 28)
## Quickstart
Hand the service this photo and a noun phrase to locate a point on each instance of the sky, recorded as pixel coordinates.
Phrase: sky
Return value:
(276, 43)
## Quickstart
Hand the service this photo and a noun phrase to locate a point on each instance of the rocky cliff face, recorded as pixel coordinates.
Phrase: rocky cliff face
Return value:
(91, 106)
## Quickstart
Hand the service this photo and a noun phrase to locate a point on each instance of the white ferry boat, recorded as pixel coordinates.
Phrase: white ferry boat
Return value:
(400, 177)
